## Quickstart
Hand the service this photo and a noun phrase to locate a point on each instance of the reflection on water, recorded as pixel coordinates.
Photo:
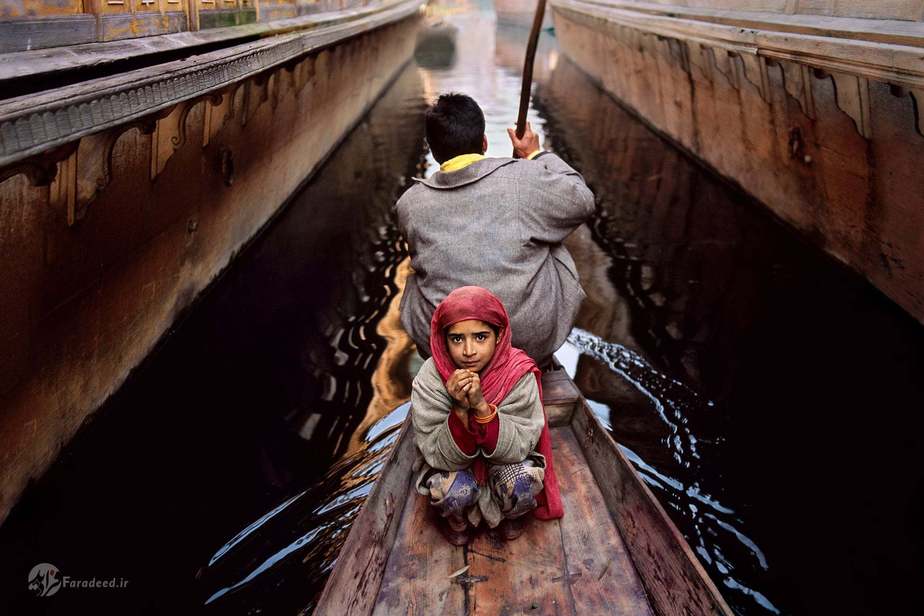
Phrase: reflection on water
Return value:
(279, 562)
(711, 527)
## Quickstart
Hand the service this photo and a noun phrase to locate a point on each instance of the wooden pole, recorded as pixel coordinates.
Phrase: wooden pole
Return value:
(528, 68)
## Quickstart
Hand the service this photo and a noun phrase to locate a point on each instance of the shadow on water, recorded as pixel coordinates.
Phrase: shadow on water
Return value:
(766, 394)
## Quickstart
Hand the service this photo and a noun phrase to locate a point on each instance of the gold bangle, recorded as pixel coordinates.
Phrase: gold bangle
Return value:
(489, 418)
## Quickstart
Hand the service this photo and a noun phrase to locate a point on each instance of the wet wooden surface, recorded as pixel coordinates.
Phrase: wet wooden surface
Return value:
(417, 574)
(603, 578)
(577, 565)
(559, 397)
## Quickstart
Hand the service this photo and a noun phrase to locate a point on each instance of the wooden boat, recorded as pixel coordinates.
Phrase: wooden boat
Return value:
(614, 552)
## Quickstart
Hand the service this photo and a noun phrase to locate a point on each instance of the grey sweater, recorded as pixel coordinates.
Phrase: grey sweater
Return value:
(498, 224)
(520, 417)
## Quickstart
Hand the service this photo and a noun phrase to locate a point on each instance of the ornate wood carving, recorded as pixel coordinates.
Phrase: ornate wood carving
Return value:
(852, 93)
(36, 123)
(796, 80)
(168, 136)
(218, 110)
(63, 189)
(40, 170)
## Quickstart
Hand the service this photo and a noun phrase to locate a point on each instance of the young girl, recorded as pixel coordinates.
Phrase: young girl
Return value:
(476, 408)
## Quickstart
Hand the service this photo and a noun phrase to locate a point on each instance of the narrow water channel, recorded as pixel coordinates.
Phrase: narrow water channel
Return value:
(768, 396)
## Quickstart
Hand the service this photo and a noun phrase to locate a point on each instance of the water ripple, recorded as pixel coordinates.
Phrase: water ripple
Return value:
(704, 520)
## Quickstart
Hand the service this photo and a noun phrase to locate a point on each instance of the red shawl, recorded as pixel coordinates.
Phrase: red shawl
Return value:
(506, 368)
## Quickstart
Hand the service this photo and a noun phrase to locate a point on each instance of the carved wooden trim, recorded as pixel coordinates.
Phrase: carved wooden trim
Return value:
(852, 95)
(63, 189)
(40, 170)
(744, 53)
(218, 110)
(167, 137)
(917, 96)
(34, 123)
(797, 81)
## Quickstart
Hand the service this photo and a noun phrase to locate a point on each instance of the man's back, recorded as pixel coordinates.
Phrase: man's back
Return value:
(497, 223)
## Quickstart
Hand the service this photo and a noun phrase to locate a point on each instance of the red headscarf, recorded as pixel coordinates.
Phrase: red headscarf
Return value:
(503, 372)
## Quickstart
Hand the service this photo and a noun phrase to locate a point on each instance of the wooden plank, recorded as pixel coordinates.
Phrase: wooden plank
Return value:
(559, 397)
(417, 578)
(880, 26)
(866, 55)
(676, 583)
(525, 576)
(603, 578)
(19, 34)
(354, 585)
(116, 27)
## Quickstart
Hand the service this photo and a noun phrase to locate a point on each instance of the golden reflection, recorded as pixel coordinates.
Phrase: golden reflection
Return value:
(390, 381)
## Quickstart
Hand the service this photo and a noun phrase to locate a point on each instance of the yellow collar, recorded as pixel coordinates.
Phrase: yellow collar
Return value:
(460, 162)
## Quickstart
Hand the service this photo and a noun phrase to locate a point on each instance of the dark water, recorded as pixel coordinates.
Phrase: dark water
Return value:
(770, 398)
(229, 456)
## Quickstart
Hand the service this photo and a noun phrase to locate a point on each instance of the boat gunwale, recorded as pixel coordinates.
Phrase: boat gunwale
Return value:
(589, 431)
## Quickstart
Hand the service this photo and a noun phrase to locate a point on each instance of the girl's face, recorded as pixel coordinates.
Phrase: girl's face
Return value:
(471, 344)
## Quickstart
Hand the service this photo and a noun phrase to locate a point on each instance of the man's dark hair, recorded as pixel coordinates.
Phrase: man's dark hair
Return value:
(455, 125)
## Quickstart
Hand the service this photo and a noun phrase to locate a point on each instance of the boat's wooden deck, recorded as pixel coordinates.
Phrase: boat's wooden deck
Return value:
(576, 565)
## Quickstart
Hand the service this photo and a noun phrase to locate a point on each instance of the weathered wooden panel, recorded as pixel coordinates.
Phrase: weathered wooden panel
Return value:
(27, 65)
(40, 24)
(801, 122)
(116, 27)
(35, 123)
(418, 578)
(39, 8)
(559, 397)
(19, 34)
(875, 9)
(101, 262)
(221, 17)
(526, 576)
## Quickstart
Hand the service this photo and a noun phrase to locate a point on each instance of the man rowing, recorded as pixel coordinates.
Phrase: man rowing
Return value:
(496, 223)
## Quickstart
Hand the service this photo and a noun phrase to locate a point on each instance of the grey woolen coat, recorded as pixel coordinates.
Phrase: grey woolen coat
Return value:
(497, 224)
